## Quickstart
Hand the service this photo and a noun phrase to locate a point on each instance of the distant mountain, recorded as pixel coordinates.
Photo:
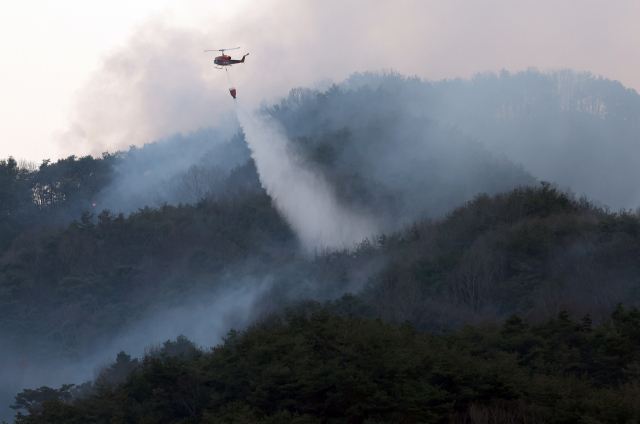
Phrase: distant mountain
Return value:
(575, 129)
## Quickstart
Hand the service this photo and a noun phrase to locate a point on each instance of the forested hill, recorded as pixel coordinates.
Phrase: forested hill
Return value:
(132, 248)
(314, 365)
(576, 129)
(403, 147)
(532, 251)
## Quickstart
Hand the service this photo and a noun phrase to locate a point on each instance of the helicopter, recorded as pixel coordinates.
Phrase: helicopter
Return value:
(225, 60)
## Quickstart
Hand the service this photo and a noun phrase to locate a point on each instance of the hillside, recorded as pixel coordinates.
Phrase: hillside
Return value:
(532, 250)
(180, 236)
(576, 129)
(314, 366)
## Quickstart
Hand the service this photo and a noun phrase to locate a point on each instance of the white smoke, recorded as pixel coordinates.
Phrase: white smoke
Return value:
(302, 196)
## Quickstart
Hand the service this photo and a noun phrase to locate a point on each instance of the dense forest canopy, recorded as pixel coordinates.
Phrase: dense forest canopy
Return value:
(314, 365)
(179, 236)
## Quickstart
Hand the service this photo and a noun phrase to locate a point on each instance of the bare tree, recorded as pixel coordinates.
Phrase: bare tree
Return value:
(27, 165)
(399, 295)
(198, 183)
(476, 278)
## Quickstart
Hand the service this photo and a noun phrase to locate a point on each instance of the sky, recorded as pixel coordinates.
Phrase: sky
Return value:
(81, 77)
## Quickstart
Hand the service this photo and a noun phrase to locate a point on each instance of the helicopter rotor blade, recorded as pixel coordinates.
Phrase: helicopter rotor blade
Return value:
(222, 50)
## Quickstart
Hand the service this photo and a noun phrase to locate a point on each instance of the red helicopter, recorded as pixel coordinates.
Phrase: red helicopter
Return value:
(225, 60)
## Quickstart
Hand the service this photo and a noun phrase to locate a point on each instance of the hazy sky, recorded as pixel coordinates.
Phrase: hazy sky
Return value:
(81, 77)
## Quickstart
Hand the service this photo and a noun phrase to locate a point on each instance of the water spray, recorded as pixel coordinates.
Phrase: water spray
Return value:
(302, 196)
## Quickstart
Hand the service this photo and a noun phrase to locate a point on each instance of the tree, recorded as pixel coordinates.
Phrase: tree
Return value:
(107, 376)
(14, 189)
(476, 277)
(32, 399)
